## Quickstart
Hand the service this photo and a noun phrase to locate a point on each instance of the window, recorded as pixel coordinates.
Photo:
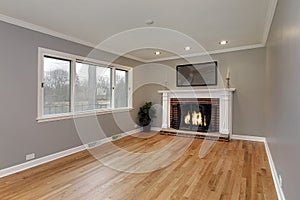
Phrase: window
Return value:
(70, 84)
(93, 87)
(121, 95)
(56, 84)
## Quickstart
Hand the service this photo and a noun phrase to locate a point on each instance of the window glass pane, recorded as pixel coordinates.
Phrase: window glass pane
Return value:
(56, 86)
(121, 89)
(92, 87)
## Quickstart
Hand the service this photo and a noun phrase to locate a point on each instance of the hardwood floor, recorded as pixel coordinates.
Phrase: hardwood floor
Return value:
(231, 170)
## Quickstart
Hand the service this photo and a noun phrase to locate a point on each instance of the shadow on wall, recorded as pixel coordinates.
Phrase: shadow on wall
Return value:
(148, 92)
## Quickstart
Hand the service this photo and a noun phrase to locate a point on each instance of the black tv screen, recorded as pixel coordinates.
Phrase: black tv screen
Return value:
(201, 74)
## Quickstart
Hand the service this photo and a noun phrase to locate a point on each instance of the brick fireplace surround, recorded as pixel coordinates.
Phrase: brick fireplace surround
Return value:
(221, 101)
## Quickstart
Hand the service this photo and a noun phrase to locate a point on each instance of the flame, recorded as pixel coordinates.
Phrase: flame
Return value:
(197, 119)
(187, 118)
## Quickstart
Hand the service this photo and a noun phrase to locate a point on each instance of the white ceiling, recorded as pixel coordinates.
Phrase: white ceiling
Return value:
(245, 23)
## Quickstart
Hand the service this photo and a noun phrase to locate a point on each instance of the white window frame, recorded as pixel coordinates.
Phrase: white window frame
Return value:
(73, 58)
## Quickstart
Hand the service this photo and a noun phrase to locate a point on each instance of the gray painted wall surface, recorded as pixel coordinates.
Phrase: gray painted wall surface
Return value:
(20, 134)
(282, 75)
(247, 70)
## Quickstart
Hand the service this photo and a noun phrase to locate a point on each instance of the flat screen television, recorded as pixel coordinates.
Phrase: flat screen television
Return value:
(201, 74)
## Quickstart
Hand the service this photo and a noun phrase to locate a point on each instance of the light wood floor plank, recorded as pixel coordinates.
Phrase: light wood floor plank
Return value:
(231, 170)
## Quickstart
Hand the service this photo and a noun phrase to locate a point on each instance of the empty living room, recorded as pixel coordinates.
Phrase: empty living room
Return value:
(149, 100)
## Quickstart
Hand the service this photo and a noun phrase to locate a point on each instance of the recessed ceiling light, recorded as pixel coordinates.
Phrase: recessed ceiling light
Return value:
(223, 42)
(187, 48)
(149, 22)
(157, 53)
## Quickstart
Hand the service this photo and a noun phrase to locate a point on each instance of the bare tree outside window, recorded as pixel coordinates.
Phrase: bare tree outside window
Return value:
(56, 86)
(92, 87)
(121, 89)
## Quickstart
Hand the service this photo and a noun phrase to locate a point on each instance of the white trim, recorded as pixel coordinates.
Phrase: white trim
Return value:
(44, 30)
(68, 56)
(278, 188)
(21, 23)
(47, 31)
(33, 163)
(73, 59)
(225, 96)
(210, 90)
(240, 48)
(248, 138)
(58, 117)
(52, 157)
(154, 128)
(130, 87)
(269, 20)
(112, 138)
(39, 161)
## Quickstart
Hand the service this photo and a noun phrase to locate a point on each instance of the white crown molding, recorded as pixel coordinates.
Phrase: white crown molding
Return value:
(47, 31)
(247, 47)
(269, 19)
(44, 30)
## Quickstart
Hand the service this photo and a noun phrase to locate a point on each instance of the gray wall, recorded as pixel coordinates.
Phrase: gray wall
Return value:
(19, 132)
(282, 75)
(247, 69)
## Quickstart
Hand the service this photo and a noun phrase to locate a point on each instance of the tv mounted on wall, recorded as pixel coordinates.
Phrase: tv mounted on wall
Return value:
(201, 74)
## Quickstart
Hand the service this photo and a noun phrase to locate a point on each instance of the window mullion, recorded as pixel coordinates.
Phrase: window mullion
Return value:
(72, 85)
(40, 84)
(130, 87)
(113, 78)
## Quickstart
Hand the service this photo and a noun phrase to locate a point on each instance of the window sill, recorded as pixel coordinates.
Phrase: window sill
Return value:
(59, 117)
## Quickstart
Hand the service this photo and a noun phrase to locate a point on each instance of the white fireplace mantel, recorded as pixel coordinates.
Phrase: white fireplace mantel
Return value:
(224, 94)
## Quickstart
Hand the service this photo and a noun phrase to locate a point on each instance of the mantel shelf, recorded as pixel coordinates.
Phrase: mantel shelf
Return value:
(214, 90)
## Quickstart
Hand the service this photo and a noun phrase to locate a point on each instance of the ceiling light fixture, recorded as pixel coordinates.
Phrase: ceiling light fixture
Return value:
(157, 53)
(223, 42)
(149, 22)
(187, 48)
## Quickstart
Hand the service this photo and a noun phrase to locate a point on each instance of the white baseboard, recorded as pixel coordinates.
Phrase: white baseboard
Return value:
(248, 138)
(278, 188)
(112, 138)
(39, 161)
(155, 128)
(49, 158)
(55, 156)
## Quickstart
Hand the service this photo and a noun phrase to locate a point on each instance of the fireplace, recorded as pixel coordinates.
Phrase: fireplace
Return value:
(197, 115)
(213, 112)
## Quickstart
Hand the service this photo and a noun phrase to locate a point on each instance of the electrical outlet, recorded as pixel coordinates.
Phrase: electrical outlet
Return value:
(30, 156)
(91, 145)
(280, 180)
(115, 137)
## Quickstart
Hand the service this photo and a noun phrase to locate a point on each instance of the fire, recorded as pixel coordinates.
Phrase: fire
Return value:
(197, 119)
(187, 118)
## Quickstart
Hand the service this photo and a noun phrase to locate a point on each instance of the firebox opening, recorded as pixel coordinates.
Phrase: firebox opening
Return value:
(194, 117)
(200, 115)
